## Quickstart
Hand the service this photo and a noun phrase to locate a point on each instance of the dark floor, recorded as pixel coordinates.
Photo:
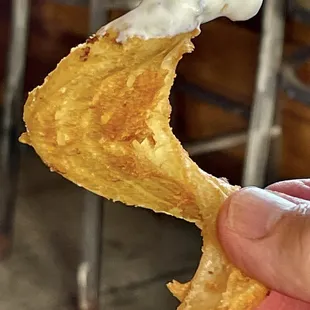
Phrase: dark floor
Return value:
(142, 250)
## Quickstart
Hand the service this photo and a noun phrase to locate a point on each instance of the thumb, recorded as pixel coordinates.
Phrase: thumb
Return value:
(268, 237)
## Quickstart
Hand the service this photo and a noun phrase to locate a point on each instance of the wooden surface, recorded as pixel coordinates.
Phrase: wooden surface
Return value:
(224, 61)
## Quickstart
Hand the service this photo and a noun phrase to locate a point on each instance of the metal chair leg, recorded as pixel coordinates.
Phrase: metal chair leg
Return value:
(90, 267)
(11, 121)
(264, 106)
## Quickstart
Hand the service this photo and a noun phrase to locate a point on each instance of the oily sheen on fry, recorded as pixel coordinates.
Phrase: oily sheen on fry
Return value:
(101, 120)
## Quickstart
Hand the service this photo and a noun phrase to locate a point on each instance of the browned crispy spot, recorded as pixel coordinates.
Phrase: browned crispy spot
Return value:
(85, 53)
(92, 39)
(123, 113)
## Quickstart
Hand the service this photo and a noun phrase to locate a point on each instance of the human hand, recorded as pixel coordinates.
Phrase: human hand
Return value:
(266, 233)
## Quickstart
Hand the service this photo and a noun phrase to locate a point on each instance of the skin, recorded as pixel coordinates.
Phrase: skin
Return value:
(279, 256)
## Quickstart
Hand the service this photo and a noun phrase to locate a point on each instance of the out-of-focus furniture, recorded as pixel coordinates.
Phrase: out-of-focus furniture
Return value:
(11, 120)
(219, 81)
(264, 130)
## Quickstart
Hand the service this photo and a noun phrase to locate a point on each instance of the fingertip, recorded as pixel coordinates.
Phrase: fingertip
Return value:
(233, 245)
(278, 259)
(277, 301)
(222, 218)
(298, 188)
(223, 213)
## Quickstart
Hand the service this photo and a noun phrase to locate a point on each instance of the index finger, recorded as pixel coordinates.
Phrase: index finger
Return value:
(297, 188)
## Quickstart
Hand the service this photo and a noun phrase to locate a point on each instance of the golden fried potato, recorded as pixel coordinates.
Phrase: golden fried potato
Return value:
(101, 120)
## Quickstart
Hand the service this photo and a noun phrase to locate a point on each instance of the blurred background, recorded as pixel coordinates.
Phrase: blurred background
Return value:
(230, 128)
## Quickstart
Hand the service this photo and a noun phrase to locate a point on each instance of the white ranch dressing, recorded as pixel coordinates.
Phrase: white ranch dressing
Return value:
(166, 18)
